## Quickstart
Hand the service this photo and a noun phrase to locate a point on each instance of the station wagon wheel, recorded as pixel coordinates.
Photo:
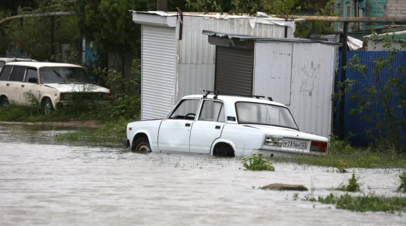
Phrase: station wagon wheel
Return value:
(142, 145)
(4, 102)
(47, 107)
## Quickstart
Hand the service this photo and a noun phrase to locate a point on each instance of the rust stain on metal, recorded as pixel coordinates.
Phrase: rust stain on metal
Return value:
(181, 23)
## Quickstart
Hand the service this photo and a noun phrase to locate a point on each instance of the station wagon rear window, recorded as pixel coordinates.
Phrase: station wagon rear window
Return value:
(264, 114)
(63, 75)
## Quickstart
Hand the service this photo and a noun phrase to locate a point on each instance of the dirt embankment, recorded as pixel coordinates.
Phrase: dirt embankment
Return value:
(88, 123)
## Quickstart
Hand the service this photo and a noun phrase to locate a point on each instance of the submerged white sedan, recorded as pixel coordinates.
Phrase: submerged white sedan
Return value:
(224, 125)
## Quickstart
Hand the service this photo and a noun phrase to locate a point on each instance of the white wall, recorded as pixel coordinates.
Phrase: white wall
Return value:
(301, 76)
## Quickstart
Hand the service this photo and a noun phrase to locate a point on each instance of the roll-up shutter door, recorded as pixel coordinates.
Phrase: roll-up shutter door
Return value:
(158, 71)
(234, 70)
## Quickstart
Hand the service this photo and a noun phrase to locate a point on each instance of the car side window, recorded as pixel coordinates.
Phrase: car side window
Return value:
(5, 73)
(18, 74)
(186, 110)
(2, 63)
(31, 73)
(212, 111)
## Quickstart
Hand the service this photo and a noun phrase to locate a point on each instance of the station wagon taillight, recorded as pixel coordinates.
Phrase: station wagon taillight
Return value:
(318, 146)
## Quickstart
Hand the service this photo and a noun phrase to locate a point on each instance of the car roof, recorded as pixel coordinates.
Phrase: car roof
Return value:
(234, 98)
(15, 59)
(42, 64)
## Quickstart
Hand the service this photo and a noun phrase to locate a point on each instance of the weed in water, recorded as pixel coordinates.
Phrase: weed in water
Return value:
(309, 198)
(342, 167)
(402, 187)
(256, 162)
(353, 184)
(369, 202)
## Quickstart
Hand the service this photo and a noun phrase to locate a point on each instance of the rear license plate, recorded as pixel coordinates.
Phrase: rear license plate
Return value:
(295, 144)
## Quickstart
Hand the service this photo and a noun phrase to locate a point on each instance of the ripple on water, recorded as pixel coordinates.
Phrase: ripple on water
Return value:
(66, 185)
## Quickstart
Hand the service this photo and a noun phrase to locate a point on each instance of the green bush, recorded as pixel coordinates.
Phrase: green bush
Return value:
(340, 146)
(402, 187)
(256, 162)
(126, 98)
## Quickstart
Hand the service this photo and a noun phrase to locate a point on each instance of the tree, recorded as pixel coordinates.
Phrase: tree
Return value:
(379, 90)
(33, 34)
(109, 23)
(272, 7)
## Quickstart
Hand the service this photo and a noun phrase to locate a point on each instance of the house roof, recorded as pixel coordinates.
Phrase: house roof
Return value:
(170, 18)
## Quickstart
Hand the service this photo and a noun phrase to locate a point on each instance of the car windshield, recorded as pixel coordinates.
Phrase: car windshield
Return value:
(64, 75)
(264, 114)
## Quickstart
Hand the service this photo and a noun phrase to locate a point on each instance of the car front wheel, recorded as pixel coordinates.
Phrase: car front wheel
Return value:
(47, 106)
(141, 145)
(4, 102)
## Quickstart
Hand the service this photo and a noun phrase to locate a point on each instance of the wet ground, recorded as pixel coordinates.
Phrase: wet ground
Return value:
(43, 183)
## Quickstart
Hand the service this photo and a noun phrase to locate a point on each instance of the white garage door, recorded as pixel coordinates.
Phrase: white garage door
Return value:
(158, 69)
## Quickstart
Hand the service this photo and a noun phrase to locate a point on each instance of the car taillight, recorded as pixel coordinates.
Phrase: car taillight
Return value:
(318, 146)
(61, 97)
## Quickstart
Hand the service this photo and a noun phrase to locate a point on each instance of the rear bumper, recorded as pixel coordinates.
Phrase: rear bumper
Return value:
(126, 143)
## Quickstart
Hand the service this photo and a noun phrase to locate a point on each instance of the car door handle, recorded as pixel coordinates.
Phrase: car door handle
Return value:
(187, 124)
(217, 127)
(22, 85)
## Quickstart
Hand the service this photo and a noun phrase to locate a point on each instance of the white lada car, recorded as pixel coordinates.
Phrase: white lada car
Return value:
(224, 125)
(53, 84)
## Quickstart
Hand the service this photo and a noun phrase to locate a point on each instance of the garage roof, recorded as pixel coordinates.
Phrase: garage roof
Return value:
(258, 38)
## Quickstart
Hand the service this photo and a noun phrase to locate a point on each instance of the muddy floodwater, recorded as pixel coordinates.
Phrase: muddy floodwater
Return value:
(44, 183)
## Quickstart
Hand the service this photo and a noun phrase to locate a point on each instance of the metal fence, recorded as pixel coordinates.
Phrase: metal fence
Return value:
(356, 124)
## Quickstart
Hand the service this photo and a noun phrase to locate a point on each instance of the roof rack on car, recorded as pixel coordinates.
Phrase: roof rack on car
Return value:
(218, 92)
(243, 95)
(207, 92)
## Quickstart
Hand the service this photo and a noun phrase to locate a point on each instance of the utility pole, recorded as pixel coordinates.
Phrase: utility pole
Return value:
(162, 5)
(343, 78)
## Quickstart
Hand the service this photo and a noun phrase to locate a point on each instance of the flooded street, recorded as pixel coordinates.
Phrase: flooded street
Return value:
(43, 183)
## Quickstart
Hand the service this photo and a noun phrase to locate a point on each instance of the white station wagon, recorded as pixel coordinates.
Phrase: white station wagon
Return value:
(224, 125)
(52, 83)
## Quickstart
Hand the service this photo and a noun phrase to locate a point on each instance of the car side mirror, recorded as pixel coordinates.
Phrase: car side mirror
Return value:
(33, 80)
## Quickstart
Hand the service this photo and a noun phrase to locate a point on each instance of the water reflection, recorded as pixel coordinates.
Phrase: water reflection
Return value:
(48, 184)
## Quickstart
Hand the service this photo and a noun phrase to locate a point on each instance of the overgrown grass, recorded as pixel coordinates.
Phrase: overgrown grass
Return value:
(111, 134)
(27, 113)
(369, 202)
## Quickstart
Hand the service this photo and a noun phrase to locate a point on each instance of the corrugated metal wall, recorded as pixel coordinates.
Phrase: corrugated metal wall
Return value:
(273, 70)
(312, 85)
(300, 75)
(158, 70)
(196, 57)
(356, 124)
(234, 70)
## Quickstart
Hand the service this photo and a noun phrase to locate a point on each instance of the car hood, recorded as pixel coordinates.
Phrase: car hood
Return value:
(286, 132)
(76, 87)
